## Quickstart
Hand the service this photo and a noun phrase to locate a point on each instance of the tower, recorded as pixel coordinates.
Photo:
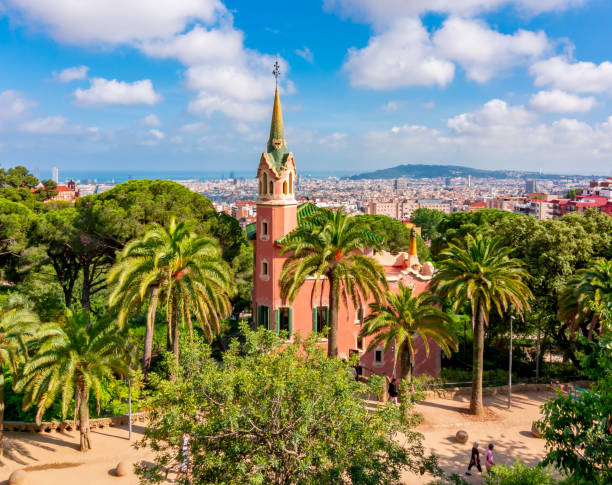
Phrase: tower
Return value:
(276, 217)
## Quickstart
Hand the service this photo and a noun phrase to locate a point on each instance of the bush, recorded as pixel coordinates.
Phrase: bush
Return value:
(274, 414)
(519, 474)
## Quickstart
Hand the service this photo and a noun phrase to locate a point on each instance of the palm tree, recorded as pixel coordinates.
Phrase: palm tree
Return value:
(16, 327)
(482, 273)
(185, 270)
(329, 246)
(73, 363)
(587, 297)
(401, 318)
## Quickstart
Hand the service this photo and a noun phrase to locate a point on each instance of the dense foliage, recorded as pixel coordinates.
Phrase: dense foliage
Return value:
(281, 417)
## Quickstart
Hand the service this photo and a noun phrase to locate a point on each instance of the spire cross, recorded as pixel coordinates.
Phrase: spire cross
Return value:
(276, 71)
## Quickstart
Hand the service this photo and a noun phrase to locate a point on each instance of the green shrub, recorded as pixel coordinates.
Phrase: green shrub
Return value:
(519, 474)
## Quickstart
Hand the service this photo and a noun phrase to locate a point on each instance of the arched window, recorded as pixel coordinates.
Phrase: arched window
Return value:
(291, 182)
(265, 181)
(285, 187)
(271, 187)
(260, 187)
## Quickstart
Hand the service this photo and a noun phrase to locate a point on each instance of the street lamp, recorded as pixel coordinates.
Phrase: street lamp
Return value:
(510, 366)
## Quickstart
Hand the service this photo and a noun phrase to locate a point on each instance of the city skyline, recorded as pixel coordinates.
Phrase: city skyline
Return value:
(495, 84)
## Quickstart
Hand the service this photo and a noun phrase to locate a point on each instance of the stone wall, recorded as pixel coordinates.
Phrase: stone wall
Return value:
(453, 392)
(70, 425)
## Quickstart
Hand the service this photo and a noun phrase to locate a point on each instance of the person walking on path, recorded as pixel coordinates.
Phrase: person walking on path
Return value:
(184, 469)
(489, 458)
(474, 459)
(393, 391)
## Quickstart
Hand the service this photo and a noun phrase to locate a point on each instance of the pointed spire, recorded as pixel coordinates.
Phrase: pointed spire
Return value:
(277, 131)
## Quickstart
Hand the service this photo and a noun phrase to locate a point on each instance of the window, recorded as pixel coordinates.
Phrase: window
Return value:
(264, 268)
(359, 343)
(320, 318)
(284, 320)
(263, 317)
(378, 356)
(359, 316)
(261, 185)
(285, 187)
(271, 187)
(264, 229)
(265, 181)
(291, 182)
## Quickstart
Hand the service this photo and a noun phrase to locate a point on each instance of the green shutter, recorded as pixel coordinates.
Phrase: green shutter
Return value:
(277, 311)
(290, 321)
(314, 319)
(268, 318)
(259, 317)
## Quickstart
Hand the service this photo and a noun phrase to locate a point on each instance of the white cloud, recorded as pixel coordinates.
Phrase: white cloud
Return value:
(53, 125)
(390, 106)
(579, 77)
(483, 52)
(557, 101)
(305, 54)
(403, 55)
(197, 127)
(104, 91)
(494, 117)
(13, 105)
(176, 139)
(383, 11)
(71, 74)
(158, 135)
(113, 21)
(151, 120)
(198, 33)
(206, 105)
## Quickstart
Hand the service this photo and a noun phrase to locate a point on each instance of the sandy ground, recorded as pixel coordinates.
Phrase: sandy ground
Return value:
(508, 429)
(54, 458)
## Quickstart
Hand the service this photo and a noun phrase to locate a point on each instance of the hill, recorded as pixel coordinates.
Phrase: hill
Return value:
(433, 171)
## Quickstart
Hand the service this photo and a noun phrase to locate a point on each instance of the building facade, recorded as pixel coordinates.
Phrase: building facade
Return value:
(278, 214)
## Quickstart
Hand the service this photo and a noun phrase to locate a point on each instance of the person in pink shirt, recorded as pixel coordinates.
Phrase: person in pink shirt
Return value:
(489, 457)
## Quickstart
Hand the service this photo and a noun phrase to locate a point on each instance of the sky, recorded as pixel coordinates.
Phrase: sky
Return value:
(156, 85)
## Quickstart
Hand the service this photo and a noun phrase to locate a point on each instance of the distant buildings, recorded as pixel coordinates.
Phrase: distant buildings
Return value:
(55, 175)
(531, 186)
(402, 209)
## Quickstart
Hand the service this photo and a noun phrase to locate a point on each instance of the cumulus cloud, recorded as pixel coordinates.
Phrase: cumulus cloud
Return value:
(196, 127)
(113, 21)
(382, 11)
(390, 106)
(305, 54)
(579, 77)
(150, 120)
(158, 135)
(557, 101)
(53, 125)
(483, 52)
(104, 91)
(71, 74)
(198, 33)
(495, 116)
(13, 105)
(403, 55)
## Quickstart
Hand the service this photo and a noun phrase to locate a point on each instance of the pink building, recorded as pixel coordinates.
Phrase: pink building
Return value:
(278, 213)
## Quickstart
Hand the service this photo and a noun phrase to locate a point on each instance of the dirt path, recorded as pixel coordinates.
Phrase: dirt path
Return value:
(507, 429)
(54, 458)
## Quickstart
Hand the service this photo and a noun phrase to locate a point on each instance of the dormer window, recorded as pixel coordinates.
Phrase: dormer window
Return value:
(271, 186)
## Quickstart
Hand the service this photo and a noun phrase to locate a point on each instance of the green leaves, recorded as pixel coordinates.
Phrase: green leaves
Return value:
(279, 416)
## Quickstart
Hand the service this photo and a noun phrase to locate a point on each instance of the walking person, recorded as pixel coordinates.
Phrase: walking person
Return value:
(393, 391)
(489, 461)
(184, 469)
(474, 459)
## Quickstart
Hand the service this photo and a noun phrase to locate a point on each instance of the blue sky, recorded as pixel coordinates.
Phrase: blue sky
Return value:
(137, 85)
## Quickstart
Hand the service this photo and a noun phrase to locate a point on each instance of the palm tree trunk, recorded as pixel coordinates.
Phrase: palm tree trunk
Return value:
(148, 343)
(175, 338)
(84, 419)
(406, 376)
(1, 411)
(476, 406)
(332, 338)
